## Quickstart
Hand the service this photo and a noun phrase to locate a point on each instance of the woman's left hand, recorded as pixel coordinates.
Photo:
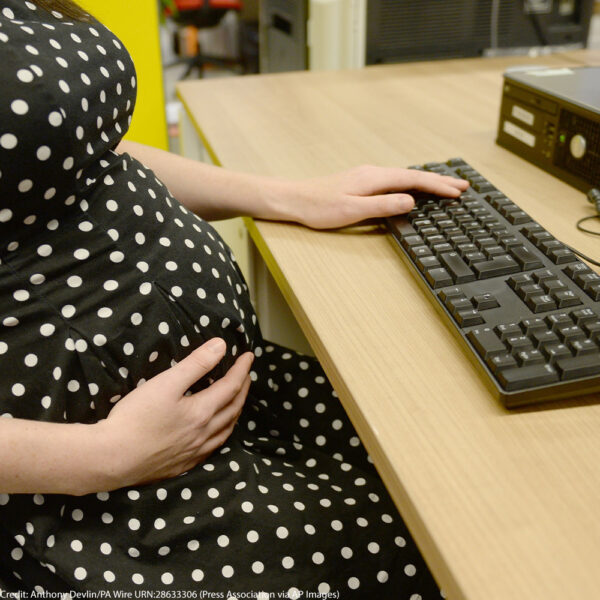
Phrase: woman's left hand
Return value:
(360, 193)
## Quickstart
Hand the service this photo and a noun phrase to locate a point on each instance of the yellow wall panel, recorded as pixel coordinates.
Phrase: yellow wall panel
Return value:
(136, 23)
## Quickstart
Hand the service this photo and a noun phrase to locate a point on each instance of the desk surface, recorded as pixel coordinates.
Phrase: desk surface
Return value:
(504, 505)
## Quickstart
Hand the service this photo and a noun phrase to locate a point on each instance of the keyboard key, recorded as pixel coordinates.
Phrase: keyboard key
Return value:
(579, 347)
(451, 292)
(539, 304)
(507, 330)
(438, 278)
(485, 301)
(554, 352)
(584, 315)
(486, 343)
(468, 318)
(531, 326)
(500, 362)
(456, 266)
(578, 366)
(566, 298)
(527, 377)
(530, 357)
(499, 265)
(526, 258)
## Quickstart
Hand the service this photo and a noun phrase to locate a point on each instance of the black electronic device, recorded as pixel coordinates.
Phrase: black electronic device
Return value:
(551, 117)
(526, 308)
(402, 30)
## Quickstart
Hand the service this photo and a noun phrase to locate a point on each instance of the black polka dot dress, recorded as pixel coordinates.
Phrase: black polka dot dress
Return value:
(105, 281)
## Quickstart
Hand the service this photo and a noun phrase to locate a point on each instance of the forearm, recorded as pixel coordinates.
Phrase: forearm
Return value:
(39, 457)
(213, 192)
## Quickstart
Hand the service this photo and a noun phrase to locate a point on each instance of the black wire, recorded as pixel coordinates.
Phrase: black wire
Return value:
(584, 229)
(578, 224)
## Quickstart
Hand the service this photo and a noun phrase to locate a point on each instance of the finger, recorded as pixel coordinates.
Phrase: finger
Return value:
(224, 390)
(193, 367)
(442, 185)
(230, 412)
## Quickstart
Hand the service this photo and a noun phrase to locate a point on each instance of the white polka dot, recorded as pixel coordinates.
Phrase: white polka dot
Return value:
(133, 524)
(373, 547)
(18, 389)
(80, 573)
(282, 532)
(258, 567)
(19, 107)
(5, 215)
(25, 75)
(159, 523)
(193, 545)
(99, 339)
(68, 310)
(21, 295)
(346, 552)
(166, 578)
(109, 576)
(353, 583)
(227, 571)
(410, 570)
(105, 548)
(74, 281)
(137, 578)
(76, 546)
(318, 558)
(382, 576)
(223, 541)
(197, 575)
(252, 536)
(44, 250)
(55, 118)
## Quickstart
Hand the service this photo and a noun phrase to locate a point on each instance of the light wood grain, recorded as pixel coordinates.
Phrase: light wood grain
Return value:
(504, 505)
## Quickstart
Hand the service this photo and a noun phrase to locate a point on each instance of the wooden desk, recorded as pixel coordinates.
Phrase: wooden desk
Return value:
(504, 505)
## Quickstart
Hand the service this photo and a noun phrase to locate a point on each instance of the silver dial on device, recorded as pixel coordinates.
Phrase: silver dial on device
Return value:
(578, 145)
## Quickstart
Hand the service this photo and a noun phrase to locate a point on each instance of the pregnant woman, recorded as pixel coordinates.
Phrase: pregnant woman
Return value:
(151, 439)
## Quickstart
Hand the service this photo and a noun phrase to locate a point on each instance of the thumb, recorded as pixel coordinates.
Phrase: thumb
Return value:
(194, 366)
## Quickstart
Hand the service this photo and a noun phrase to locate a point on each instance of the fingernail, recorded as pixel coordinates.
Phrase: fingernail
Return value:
(405, 203)
(216, 345)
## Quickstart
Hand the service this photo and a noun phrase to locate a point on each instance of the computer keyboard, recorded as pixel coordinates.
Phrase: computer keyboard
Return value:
(526, 307)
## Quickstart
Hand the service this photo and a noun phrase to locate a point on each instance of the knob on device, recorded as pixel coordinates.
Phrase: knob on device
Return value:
(578, 146)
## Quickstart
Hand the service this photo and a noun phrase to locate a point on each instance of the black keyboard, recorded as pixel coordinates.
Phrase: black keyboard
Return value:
(526, 307)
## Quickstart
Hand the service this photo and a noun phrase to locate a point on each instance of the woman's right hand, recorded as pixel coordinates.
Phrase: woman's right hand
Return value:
(156, 431)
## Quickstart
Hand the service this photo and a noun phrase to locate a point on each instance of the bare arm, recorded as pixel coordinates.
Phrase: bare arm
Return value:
(335, 200)
(38, 457)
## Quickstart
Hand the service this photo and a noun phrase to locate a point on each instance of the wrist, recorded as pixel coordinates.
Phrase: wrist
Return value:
(281, 199)
(109, 470)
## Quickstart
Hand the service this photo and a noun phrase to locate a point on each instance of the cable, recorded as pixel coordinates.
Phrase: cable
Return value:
(585, 230)
(593, 196)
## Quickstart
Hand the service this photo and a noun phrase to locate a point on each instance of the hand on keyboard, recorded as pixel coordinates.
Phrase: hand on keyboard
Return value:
(366, 192)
